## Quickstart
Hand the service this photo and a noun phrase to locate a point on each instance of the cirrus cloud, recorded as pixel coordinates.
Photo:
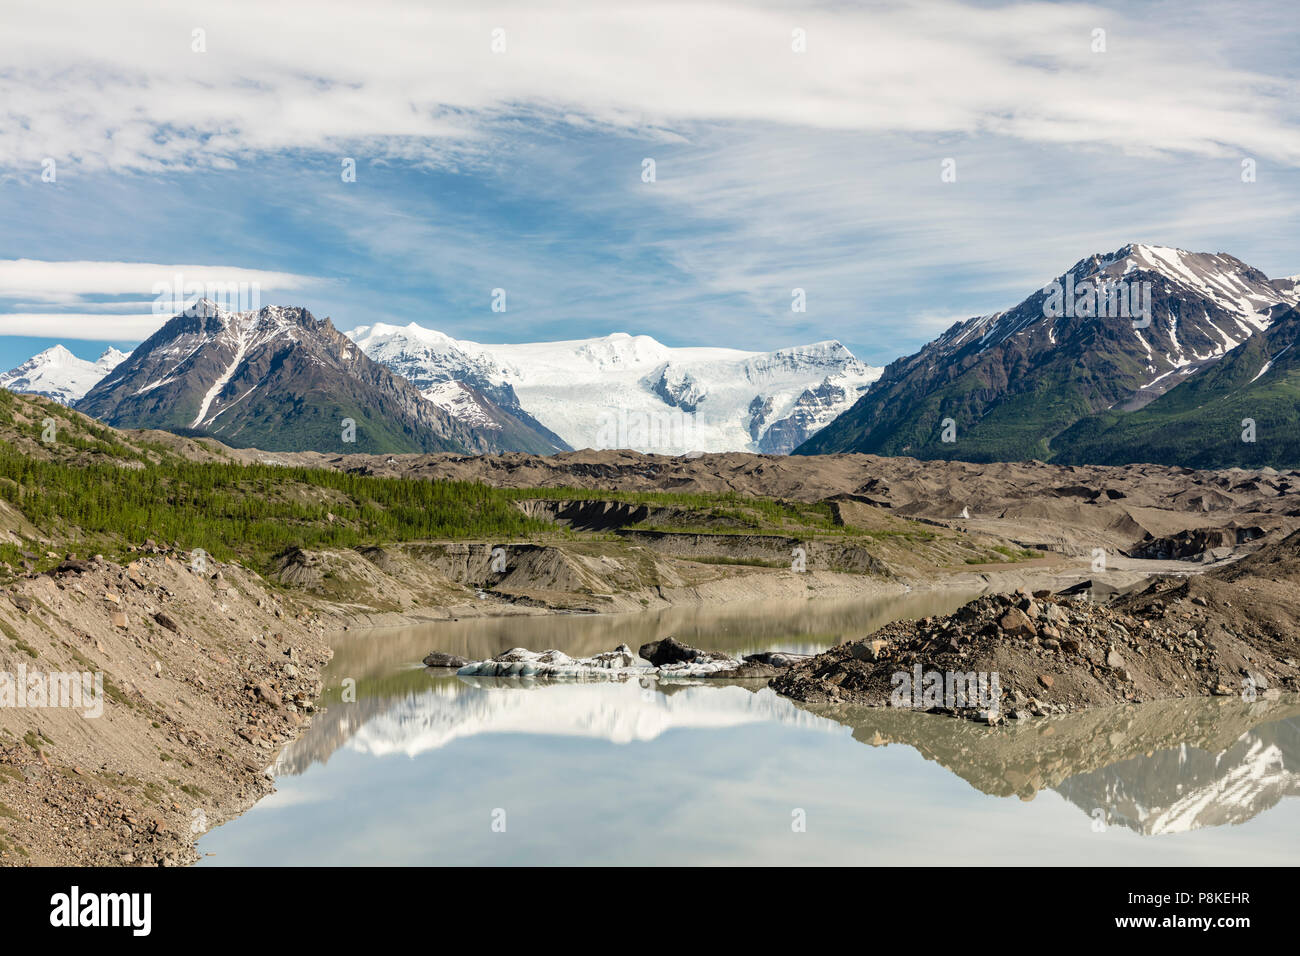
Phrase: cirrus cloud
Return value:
(121, 85)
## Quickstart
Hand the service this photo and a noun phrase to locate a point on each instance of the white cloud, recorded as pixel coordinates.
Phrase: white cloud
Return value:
(67, 325)
(816, 170)
(59, 281)
(32, 283)
(123, 88)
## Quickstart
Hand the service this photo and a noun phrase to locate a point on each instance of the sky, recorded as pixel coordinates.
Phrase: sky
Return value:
(906, 165)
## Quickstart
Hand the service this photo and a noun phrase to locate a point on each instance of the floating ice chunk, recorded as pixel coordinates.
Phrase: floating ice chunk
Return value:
(556, 665)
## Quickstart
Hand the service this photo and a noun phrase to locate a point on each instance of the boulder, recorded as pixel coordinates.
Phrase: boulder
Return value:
(71, 565)
(868, 650)
(1016, 623)
(443, 659)
(669, 651)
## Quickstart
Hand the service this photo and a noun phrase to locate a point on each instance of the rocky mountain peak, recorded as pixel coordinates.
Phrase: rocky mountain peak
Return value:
(1113, 333)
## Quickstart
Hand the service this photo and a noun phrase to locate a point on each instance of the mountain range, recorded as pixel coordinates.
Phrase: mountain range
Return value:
(1065, 376)
(1147, 354)
(280, 379)
(58, 374)
(630, 391)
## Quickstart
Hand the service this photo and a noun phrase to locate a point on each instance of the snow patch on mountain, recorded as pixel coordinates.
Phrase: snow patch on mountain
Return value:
(631, 391)
(456, 399)
(1223, 302)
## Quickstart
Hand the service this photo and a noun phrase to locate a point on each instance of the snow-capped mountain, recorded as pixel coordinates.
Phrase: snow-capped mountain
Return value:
(280, 379)
(619, 712)
(630, 391)
(58, 374)
(1112, 334)
(1210, 303)
(1187, 788)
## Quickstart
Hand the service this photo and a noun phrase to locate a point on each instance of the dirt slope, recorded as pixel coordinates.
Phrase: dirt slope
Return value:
(205, 676)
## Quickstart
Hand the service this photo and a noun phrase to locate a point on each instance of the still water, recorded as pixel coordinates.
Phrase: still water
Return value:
(428, 768)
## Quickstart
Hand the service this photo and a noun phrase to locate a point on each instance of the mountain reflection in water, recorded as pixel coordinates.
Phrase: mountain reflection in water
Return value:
(1163, 768)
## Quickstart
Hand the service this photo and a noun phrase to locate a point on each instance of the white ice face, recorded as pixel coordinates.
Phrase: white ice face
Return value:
(631, 391)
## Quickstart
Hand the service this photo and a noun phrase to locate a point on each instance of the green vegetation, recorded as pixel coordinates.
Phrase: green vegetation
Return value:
(98, 490)
(748, 562)
(249, 511)
(1202, 422)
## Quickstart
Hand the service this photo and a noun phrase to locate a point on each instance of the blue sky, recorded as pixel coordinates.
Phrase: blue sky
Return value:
(522, 169)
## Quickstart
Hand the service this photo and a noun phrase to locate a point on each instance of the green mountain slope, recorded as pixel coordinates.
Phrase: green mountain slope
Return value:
(1201, 422)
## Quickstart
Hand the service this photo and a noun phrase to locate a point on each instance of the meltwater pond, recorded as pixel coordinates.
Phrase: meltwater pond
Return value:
(428, 768)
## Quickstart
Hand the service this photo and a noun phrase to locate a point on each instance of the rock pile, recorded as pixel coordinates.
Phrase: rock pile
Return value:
(1040, 654)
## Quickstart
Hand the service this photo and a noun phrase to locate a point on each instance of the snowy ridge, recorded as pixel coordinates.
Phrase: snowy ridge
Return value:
(1246, 294)
(1248, 297)
(454, 398)
(631, 391)
(1261, 772)
(617, 712)
(58, 374)
(1225, 302)
(240, 332)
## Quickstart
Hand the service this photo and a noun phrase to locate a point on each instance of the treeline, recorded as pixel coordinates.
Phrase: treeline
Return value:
(253, 511)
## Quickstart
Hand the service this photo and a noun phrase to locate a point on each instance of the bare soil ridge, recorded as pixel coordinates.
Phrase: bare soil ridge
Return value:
(1067, 508)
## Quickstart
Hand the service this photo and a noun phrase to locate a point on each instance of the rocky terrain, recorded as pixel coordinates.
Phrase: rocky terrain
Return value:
(1071, 509)
(206, 674)
(210, 667)
(1228, 632)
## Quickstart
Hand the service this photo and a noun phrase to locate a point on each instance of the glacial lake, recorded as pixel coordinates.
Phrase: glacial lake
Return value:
(426, 768)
